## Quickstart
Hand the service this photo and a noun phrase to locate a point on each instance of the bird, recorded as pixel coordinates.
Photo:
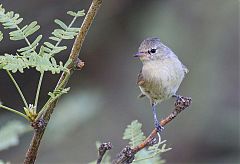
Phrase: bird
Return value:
(161, 74)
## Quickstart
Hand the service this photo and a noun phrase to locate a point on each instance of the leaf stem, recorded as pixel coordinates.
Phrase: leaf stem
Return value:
(14, 111)
(18, 88)
(38, 89)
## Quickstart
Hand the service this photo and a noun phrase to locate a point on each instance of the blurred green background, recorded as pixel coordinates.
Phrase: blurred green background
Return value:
(103, 98)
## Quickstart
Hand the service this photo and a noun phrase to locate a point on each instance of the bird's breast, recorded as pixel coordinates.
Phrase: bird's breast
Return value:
(162, 78)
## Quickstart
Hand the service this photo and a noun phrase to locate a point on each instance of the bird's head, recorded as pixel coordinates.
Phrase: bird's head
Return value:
(152, 49)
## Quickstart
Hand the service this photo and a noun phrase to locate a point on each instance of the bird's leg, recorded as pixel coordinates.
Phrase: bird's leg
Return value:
(156, 122)
(179, 98)
(176, 96)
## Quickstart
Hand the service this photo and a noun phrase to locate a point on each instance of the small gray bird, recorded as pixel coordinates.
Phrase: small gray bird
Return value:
(161, 74)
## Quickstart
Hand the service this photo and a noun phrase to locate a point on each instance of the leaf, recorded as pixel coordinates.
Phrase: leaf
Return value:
(10, 133)
(134, 133)
(76, 14)
(61, 24)
(151, 155)
(57, 93)
(54, 38)
(31, 48)
(31, 28)
(73, 29)
(13, 63)
(28, 57)
(146, 157)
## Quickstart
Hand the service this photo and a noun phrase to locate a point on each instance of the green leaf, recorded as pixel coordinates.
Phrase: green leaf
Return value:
(13, 63)
(152, 154)
(73, 29)
(134, 133)
(55, 38)
(10, 133)
(32, 47)
(61, 24)
(76, 14)
(50, 45)
(146, 157)
(30, 27)
(31, 30)
(57, 93)
(28, 57)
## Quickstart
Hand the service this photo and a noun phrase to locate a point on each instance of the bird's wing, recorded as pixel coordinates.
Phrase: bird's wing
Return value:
(140, 79)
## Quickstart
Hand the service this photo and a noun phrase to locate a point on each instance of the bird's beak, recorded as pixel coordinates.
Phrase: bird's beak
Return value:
(139, 54)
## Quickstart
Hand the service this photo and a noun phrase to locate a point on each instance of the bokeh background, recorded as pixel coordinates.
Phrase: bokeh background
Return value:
(103, 98)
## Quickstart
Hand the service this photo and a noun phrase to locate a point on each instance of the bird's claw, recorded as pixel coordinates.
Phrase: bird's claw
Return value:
(182, 102)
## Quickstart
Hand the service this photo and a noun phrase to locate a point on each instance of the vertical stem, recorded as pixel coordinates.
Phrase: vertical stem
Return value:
(18, 88)
(38, 134)
(38, 89)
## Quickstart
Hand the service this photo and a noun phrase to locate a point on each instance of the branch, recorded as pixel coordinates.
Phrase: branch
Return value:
(123, 157)
(72, 60)
(102, 150)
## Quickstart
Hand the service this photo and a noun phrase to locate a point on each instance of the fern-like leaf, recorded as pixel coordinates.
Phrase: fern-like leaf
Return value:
(31, 49)
(57, 93)
(11, 20)
(65, 32)
(146, 157)
(76, 14)
(134, 133)
(150, 155)
(27, 57)
(61, 24)
(13, 63)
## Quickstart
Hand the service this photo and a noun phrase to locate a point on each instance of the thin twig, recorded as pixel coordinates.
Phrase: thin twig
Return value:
(18, 88)
(181, 104)
(38, 89)
(35, 143)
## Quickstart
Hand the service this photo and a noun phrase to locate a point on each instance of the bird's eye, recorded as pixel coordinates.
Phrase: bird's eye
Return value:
(153, 50)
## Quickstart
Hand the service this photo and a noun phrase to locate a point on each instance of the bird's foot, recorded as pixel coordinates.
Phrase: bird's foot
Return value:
(178, 97)
(182, 102)
(158, 126)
